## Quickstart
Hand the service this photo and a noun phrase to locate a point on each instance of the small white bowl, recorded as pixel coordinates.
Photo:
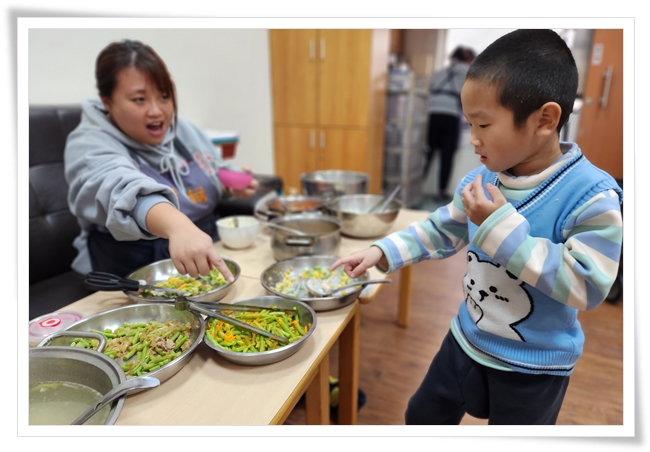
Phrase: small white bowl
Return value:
(241, 236)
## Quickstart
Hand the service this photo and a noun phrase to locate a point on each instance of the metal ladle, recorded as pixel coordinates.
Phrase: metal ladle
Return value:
(381, 205)
(320, 288)
(132, 384)
(284, 228)
(285, 206)
(183, 304)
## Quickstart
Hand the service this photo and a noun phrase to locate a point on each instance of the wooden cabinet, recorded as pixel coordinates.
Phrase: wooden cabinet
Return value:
(328, 102)
(600, 128)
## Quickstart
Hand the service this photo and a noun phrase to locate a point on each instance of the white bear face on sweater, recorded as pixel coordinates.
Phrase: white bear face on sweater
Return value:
(496, 299)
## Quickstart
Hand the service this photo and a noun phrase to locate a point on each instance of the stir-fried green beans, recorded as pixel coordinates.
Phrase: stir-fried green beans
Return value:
(189, 285)
(143, 347)
(235, 339)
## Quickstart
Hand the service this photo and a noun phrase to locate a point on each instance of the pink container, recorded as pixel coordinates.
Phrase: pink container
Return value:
(234, 179)
(45, 325)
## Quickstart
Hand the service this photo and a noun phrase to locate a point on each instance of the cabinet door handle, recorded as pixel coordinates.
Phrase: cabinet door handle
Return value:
(312, 139)
(608, 85)
(312, 49)
(322, 49)
(322, 139)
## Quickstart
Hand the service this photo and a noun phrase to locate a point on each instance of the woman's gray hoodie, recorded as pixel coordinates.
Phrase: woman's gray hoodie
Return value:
(107, 190)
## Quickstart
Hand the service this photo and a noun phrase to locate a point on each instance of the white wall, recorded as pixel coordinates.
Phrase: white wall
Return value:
(222, 77)
(476, 38)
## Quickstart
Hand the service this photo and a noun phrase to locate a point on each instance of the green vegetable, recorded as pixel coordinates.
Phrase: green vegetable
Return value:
(138, 344)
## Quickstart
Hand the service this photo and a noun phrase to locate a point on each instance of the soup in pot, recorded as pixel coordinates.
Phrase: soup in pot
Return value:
(61, 402)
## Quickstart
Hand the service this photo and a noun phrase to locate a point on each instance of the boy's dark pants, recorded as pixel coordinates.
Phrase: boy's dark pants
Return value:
(456, 384)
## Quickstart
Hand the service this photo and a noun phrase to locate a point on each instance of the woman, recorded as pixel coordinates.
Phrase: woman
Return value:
(445, 114)
(142, 179)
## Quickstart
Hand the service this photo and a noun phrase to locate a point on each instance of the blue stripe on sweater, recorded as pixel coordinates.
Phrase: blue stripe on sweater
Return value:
(609, 203)
(594, 296)
(603, 245)
(511, 244)
(415, 240)
(394, 254)
(546, 282)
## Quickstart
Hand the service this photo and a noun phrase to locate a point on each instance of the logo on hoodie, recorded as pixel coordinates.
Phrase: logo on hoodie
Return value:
(203, 161)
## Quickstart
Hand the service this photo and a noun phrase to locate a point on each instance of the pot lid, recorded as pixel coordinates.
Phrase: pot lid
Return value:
(43, 326)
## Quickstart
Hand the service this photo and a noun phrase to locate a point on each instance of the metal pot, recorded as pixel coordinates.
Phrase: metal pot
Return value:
(322, 235)
(330, 183)
(78, 365)
(274, 207)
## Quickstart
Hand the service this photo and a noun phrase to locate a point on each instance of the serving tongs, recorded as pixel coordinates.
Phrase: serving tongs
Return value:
(183, 304)
(110, 282)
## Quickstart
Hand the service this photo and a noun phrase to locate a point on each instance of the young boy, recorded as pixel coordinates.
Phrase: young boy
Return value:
(544, 231)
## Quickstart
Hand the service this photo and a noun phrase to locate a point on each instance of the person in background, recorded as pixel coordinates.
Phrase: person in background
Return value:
(445, 115)
(143, 180)
(543, 228)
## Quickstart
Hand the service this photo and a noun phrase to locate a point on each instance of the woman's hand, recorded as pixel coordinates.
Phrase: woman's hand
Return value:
(358, 262)
(477, 205)
(248, 191)
(191, 250)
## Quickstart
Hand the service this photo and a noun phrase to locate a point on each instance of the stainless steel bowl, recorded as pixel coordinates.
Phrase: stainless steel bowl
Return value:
(355, 222)
(161, 271)
(162, 312)
(275, 273)
(306, 315)
(330, 183)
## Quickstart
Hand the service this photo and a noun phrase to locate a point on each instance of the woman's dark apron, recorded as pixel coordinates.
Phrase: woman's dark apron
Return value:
(123, 257)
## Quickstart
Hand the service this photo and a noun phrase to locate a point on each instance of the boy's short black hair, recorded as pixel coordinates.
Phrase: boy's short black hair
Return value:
(529, 68)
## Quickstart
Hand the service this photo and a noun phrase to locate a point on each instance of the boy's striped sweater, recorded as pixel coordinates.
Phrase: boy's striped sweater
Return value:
(551, 251)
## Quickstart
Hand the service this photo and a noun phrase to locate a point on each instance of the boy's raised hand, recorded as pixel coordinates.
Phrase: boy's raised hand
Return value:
(477, 205)
(358, 262)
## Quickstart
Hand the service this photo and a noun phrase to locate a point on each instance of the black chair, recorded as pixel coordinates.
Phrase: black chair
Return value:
(53, 228)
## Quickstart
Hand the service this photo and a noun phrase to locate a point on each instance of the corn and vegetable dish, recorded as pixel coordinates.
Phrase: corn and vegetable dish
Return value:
(189, 285)
(143, 347)
(294, 283)
(233, 338)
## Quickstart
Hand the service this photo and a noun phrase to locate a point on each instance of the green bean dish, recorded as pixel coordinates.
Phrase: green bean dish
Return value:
(142, 347)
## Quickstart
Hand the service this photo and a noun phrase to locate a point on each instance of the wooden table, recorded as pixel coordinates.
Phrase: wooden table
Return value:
(209, 390)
